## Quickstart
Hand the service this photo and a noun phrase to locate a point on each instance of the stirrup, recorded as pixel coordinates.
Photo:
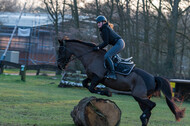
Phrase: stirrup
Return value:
(128, 59)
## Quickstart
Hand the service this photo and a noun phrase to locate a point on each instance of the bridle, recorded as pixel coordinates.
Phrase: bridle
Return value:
(76, 57)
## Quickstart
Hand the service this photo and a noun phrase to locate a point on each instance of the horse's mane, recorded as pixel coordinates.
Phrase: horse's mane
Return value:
(91, 44)
(85, 43)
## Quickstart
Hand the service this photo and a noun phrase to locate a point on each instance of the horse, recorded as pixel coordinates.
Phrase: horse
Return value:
(141, 83)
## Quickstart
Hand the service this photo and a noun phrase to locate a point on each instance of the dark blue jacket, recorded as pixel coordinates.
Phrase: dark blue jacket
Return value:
(108, 35)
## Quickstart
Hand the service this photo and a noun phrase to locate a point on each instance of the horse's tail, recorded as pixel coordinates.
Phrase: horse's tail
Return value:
(166, 89)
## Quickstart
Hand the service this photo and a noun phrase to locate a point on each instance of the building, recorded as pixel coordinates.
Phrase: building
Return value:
(33, 38)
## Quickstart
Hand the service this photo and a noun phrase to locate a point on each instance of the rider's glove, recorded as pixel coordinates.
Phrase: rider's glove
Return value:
(96, 48)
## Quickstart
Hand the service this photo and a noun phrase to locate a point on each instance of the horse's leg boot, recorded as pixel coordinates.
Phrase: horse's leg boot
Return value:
(144, 119)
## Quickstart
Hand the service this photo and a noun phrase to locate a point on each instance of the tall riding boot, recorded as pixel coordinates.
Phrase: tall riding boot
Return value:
(110, 66)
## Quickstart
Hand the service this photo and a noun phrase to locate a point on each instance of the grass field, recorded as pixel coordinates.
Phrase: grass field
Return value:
(39, 102)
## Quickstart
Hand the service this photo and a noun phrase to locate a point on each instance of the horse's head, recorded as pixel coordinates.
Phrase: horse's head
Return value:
(63, 55)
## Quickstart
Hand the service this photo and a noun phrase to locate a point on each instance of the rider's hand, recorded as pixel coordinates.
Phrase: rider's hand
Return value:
(96, 48)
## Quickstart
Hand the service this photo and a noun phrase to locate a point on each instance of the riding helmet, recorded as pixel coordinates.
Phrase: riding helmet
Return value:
(101, 18)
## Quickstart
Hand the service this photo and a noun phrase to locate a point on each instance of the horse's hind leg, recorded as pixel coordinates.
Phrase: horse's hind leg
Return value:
(146, 106)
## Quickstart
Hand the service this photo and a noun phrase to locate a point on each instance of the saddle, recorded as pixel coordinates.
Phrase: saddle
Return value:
(123, 66)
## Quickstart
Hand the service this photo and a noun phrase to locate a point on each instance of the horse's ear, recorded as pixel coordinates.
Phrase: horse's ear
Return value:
(60, 42)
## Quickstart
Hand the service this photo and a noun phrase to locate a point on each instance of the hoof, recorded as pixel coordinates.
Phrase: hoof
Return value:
(85, 85)
(144, 120)
(108, 93)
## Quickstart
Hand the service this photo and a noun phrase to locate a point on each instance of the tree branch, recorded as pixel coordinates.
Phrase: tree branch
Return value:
(186, 9)
(49, 10)
(185, 36)
(165, 19)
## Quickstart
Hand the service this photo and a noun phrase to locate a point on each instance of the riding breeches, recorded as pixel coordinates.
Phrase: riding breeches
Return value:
(120, 45)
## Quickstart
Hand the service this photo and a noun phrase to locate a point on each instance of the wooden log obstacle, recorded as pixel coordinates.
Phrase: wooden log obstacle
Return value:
(92, 111)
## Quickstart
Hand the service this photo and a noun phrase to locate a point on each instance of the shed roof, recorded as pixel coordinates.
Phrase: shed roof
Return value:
(33, 19)
(27, 19)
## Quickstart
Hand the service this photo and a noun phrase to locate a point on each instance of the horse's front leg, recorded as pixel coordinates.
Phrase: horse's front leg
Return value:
(92, 88)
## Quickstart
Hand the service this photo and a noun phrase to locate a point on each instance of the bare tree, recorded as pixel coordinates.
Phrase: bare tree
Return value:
(158, 39)
(120, 9)
(54, 11)
(97, 8)
(110, 4)
(76, 15)
(173, 21)
(128, 28)
(147, 34)
(172, 30)
(9, 6)
(183, 42)
(136, 39)
(62, 12)
(146, 49)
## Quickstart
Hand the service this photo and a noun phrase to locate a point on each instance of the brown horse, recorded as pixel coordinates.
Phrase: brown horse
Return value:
(141, 84)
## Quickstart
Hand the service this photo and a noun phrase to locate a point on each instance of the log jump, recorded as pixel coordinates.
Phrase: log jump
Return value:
(92, 111)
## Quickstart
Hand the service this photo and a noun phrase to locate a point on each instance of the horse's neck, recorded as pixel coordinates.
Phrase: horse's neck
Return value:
(79, 49)
(85, 54)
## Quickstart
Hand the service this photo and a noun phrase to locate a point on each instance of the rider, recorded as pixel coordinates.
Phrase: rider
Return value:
(109, 36)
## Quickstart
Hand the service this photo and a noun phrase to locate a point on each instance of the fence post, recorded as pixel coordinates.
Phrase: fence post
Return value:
(23, 72)
(38, 72)
(1, 68)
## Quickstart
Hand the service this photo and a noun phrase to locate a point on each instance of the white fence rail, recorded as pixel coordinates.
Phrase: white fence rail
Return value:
(75, 79)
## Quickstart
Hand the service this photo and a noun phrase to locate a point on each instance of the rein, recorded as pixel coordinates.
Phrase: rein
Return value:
(76, 57)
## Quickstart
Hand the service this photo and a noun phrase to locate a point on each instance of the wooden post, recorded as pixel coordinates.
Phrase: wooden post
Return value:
(94, 111)
(38, 72)
(23, 72)
(1, 68)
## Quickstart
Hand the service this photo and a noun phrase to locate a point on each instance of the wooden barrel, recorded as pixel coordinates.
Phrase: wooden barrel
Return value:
(92, 111)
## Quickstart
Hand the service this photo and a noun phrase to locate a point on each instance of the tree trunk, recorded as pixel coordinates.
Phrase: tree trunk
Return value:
(137, 35)
(63, 14)
(158, 38)
(120, 9)
(97, 8)
(146, 49)
(53, 10)
(76, 15)
(183, 44)
(92, 111)
(97, 14)
(171, 55)
(128, 27)
(112, 10)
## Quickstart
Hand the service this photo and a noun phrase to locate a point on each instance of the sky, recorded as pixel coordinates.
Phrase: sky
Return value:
(39, 2)
(35, 3)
